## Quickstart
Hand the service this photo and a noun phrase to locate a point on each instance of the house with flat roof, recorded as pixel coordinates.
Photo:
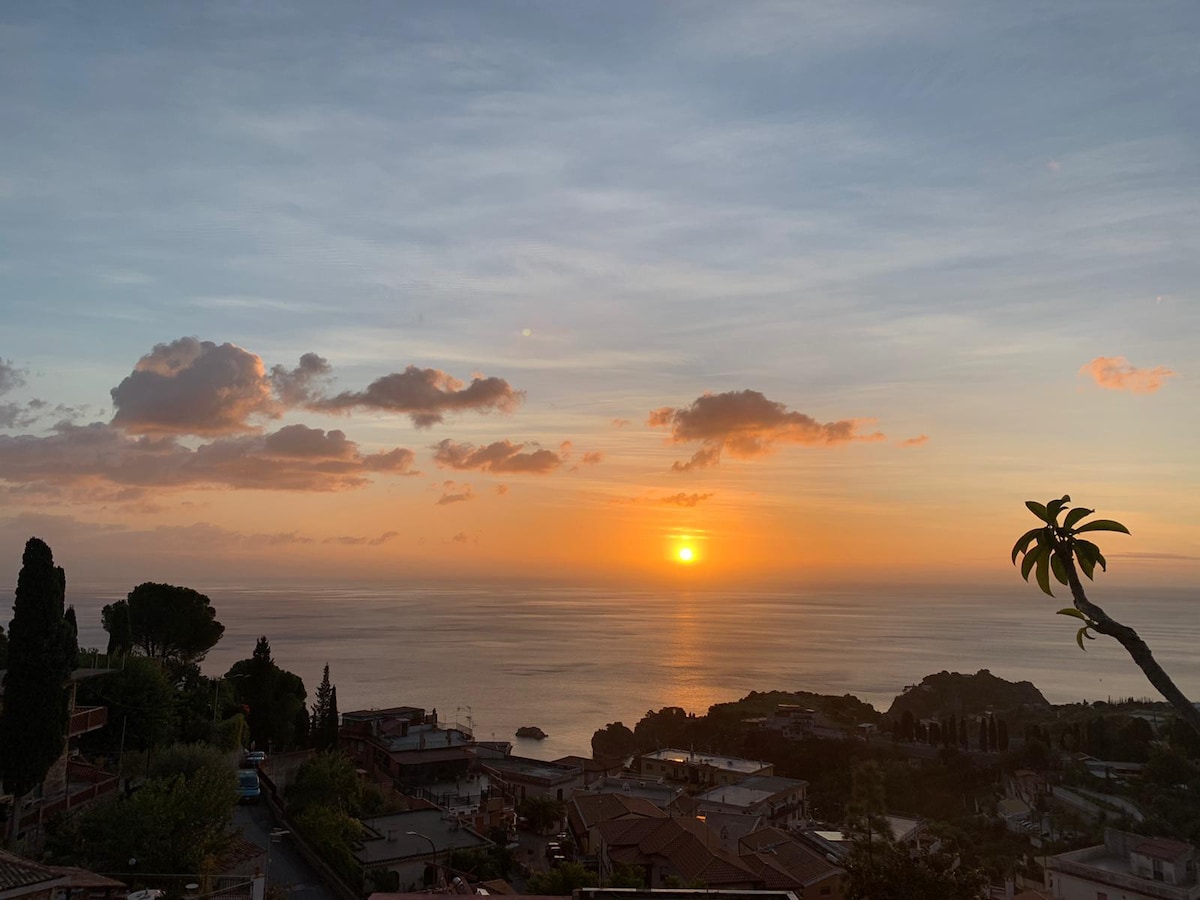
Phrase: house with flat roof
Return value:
(521, 777)
(1125, 867)
(659, 792)
(700, 769)
(779, 801)
(414, 843)
(405, 745)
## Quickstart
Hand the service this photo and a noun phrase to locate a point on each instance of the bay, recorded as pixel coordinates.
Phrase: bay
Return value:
(570, 660)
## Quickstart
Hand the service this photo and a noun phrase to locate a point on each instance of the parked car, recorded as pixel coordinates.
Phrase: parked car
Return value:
(255, 758)
(248, 787)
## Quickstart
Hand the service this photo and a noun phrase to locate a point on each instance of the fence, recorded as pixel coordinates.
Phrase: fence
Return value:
(189, 887)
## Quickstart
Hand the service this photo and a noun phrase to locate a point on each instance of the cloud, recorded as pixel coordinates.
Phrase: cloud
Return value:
(1151, 555)
(915, 441)
(194, 387)
(295, 457)
(460, 538)
(682, 499)
(499, 457)
(591, 458)
(451, 494)
(426, 395)
(745, 424)
(359, 541)
(189, 386)
(301, 385)
(502, 489)
(10, 376)
(1115, 373)
(621, 423)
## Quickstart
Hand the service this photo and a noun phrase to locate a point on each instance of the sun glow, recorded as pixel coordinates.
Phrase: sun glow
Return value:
(685, 554)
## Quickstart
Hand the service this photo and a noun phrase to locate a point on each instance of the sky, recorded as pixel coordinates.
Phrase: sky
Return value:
(815, 291)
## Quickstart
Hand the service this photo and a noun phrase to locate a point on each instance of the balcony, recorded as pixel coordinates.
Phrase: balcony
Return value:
(85, 719)
(84, 784)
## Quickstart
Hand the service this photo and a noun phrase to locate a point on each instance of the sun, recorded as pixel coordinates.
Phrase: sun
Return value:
(686, 554)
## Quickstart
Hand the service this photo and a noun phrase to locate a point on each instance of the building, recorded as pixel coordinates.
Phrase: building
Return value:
(781, 802)
(587, 810)
(673, 851)
(70, 783)
(25, 879)
(594, 770)
(406, 746)
(1125, 867)
(414, 843)
(657, 791)
(522, 778)
(700, 769)
(785, 863)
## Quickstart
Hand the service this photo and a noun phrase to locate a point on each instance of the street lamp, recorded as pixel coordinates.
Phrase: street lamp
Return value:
(433, 847)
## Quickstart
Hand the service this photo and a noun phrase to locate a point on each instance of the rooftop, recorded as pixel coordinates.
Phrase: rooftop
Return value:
(690, 757)
(388, 839)
(539, 769)
(753, 790)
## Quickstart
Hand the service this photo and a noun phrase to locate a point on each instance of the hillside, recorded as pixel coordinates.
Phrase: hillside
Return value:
(953, 692)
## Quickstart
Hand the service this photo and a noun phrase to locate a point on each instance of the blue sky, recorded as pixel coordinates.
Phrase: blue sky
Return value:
(930, 216)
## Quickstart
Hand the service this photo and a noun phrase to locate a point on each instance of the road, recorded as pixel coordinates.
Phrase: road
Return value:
(288, 869)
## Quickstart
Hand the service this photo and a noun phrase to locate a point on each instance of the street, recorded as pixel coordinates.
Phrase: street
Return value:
(288, 868)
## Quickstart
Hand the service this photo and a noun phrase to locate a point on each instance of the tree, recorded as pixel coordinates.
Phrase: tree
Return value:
(614, 740)
(139, 699)
(867, 825)
(983, 735)
(561, 881)
(326, 779)
(907, 729)
(895, 874)
(1002, 735)
(324, 718)
(1053, 549)
(3, 649)
(993, 734)
(278, 715)
(42, 654)
(171, 824)
(164, 621)
(542, 813)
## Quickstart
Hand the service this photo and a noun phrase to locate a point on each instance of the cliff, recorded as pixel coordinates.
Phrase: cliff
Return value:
(953, 692)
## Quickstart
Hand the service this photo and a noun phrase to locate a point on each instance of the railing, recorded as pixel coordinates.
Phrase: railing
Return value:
(87, 718)
(44, 809)
(189, 887)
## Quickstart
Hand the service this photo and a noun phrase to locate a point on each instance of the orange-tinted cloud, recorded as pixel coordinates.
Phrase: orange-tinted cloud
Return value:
(499, 457)
(194, 387)
(1115, 373)
(426, 395)
(189, 386)
(682, 499)
(746, 424)
(915, 441)
(454, 493)
(295, 458)
(502, 489)
(621, 423)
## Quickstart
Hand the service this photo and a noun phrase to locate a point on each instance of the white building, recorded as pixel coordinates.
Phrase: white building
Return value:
(1125, 867)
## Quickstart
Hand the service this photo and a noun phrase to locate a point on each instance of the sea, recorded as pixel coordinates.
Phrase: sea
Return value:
(571, 660)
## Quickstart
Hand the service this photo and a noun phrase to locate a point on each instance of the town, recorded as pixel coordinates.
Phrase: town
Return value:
(169, 783)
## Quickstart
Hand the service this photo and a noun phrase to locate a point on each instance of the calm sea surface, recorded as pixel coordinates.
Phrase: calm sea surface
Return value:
(570, 661)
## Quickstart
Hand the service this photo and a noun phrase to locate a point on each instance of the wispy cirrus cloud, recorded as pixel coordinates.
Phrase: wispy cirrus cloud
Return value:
(1116, 373)
(917, 441)
(745, 424)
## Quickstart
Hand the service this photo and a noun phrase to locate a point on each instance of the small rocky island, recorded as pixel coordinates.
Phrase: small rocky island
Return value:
(531, 731)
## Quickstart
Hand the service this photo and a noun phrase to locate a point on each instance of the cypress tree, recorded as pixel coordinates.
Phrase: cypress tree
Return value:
(332, 720)
(962, 734)
(983, 736)
(993, 735)
(42, 653)
(320, 711)
(1002, 735)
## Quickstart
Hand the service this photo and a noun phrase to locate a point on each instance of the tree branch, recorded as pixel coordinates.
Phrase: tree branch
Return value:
(1127, 638)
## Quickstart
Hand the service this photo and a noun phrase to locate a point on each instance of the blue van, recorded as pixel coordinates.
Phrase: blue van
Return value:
(248, 787)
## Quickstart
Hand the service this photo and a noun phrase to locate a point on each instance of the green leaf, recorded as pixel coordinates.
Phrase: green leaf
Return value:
(1075, 515)
(1030, 560)
(1054, 507)
(1040, 511)
(1023, 543)
(1057, 568)
(1042, 572)
(1089, 554)
(1072, 611)
(1079, 638)
(1102, 525)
